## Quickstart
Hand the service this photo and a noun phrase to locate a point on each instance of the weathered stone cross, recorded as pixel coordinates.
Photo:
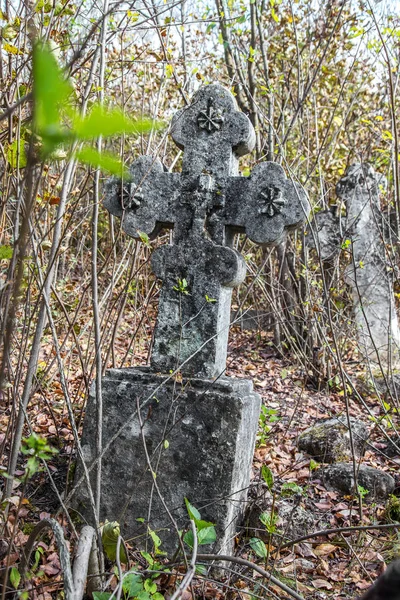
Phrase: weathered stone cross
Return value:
(206, 205)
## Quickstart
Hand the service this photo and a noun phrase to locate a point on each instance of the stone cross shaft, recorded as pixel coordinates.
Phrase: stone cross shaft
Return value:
(205, 205)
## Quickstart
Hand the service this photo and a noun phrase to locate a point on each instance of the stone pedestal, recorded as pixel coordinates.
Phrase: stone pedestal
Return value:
(200, 437)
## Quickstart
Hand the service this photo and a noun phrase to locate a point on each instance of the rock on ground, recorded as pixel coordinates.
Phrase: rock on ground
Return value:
(340, 478)
(329, 441)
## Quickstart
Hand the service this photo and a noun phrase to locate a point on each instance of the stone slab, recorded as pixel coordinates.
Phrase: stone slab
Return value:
(200, 437)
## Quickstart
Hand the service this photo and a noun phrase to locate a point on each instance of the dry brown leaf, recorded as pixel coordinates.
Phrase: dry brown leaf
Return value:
(325, 549)
(321, 584)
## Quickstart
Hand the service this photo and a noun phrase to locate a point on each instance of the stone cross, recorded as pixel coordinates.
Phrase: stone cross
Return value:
(368, 274)
(205, 205)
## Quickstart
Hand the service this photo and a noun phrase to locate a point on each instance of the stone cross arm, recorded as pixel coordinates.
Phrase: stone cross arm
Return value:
(265, 205)
(148, 202)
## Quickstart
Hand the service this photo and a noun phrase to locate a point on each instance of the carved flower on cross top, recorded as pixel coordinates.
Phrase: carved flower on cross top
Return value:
(271, 201)
(131, 196)
(210, 119)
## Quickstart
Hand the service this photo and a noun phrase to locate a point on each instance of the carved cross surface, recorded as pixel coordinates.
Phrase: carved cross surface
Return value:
(205, 205)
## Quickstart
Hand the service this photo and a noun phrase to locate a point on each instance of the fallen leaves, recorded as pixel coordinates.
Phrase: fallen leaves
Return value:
(325, 549)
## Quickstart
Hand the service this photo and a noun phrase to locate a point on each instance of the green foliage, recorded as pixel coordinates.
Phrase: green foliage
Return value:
(104, 160)
(268, 416)
(392, 510)
(107, 123)
(109, 536)
(6, 252)
(269, 520)
(362, 491)
(16, 155)
(258, 547)
(290, 488)
(181, 287)
(15, 577)
(268, 477)
(205, 530)
(37, 448)
(156, 541)
(57, 123)
(135, 587)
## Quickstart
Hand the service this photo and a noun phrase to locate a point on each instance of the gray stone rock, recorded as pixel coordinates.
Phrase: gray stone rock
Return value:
(340, 478)
(329, 441)
(200, 438)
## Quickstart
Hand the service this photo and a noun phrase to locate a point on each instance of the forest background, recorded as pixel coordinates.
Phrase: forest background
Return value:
(319, 81)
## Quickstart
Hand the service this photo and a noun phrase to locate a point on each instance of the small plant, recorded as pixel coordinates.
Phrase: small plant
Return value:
(392, 510)
(210, 300)
(205, 530)
(269, 520)
(181, 287)
(135, 586)
(362, 491)
(268, 416)
(258, 547)
(346, 244)
(291, 489)
(37, 448)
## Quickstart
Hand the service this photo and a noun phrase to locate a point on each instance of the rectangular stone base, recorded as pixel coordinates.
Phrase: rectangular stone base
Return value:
(200, 438)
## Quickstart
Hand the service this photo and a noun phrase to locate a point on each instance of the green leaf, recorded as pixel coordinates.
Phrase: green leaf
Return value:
(289, 488)
(267, 475)
(14, 158)
(274, 16)
(103, 160)
(203, 525)
(15, 577)
(108, 123)
(6, 252)
(155, 538)
(208, 535)
(188, 538)
(258, 547)
(269, 520)
(50, 91)
(101, 595)
(143, 596)
(201, 570)
(150, 586)
(132, 584)
(157, 596)
(148, 557)
(192, 511)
